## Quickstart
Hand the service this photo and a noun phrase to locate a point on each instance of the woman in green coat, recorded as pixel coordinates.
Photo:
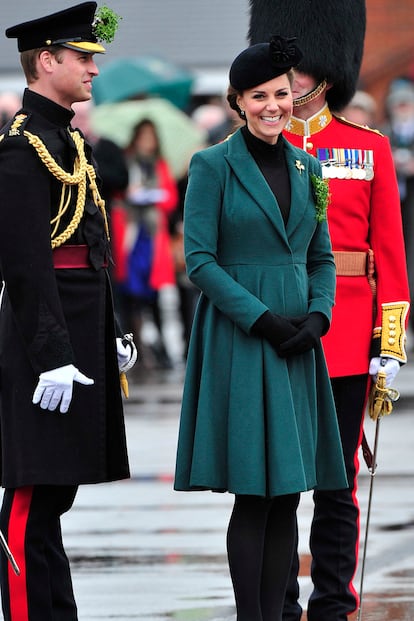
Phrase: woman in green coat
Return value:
(258, 416)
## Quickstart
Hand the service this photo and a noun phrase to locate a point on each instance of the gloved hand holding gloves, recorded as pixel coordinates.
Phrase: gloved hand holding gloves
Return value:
(382, 363)
(126, 352)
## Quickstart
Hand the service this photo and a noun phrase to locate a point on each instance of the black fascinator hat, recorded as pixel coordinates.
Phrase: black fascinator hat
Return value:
(264, 61)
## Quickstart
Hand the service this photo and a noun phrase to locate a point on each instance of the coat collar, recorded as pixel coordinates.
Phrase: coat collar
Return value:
(250, 177)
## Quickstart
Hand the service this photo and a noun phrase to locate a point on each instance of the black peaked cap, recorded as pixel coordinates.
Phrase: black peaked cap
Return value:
(71, 27)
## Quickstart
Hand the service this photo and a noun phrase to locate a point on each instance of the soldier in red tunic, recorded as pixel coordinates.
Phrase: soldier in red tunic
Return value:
(371, 307)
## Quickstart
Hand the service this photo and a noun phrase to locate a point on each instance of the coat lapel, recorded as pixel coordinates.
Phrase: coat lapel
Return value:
(299, 186)
(250, 177)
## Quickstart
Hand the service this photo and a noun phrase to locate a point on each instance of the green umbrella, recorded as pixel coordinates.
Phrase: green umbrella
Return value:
(179, 135)
(128, 78)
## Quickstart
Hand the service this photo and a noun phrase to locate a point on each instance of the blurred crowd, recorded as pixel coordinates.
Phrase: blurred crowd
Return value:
(154, 299)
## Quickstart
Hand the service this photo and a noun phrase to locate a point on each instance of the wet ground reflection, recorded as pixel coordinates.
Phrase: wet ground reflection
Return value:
(392, 606)
(395, 603)
(141, 551)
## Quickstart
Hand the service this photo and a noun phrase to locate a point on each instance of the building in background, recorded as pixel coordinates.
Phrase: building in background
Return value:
(389, 48)
(201, 36)
(204, 37)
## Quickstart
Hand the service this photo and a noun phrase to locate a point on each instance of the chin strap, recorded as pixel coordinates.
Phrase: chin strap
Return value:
(301, 101)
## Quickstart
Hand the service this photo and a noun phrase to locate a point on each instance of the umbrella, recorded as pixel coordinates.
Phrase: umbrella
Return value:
(128, 78)
(179, 135)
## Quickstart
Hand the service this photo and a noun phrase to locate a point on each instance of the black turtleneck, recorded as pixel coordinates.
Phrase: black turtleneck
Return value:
(271, 160)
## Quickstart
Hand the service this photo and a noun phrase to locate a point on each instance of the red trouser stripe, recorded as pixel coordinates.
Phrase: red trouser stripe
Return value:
(16, 535)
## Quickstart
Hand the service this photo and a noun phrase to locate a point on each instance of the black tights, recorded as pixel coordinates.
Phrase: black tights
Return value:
(260, 544)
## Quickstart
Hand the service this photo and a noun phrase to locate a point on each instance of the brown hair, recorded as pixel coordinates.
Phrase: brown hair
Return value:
(137, 130)
(28, 60)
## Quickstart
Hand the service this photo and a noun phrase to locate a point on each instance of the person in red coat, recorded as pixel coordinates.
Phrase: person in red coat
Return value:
(149, 287)
(371, 305)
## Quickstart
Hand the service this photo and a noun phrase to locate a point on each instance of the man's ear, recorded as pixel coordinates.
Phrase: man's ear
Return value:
(46, 60)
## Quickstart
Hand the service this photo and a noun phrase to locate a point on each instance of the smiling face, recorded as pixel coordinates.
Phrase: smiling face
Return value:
(73, 78)
(267, 108)
(65, 77)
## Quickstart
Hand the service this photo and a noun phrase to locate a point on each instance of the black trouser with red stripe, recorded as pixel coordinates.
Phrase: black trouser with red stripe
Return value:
(30, 522)
(334, 536)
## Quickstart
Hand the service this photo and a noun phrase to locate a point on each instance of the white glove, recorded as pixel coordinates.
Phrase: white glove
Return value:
(56, 387)
(126, 352)
(391, 368)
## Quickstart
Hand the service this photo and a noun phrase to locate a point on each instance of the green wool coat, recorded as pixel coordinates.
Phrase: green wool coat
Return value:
(252, 422)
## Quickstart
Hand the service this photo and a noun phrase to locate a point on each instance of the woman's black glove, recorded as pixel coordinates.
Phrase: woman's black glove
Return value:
(274, 328)
(311, 328)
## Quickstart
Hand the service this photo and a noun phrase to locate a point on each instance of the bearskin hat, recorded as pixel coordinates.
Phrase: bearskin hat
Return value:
(330, 34)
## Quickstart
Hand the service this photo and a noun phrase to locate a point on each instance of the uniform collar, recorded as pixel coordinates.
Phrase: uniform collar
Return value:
(313, 125)
(53, 112)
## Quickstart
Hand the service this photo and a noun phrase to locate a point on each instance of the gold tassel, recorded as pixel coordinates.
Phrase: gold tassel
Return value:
(124, 384)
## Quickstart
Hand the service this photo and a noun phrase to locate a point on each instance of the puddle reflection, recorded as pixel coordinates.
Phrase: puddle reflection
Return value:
(394, 604)
(383, 608)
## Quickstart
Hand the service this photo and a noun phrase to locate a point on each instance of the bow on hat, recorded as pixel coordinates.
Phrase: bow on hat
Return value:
(262, 62)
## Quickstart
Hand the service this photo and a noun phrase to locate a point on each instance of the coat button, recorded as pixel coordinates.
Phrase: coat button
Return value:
(309, 146)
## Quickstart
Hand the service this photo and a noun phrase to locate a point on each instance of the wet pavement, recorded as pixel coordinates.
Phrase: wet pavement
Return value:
(141, 551)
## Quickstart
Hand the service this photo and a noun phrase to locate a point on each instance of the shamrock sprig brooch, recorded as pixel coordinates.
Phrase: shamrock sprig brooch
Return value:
(299, 166)
(105, 24)
(321, 195)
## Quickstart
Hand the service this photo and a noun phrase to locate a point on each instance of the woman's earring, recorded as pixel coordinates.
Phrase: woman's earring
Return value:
(242, 112)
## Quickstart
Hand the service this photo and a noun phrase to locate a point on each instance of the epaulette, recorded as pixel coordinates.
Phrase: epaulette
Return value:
(345, 121)
(15, 126)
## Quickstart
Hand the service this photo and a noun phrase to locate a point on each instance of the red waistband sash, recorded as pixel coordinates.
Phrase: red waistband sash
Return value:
(71, 256)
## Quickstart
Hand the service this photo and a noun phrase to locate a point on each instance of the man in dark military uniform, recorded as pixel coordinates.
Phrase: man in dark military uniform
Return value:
(372, 299)
(61, 411)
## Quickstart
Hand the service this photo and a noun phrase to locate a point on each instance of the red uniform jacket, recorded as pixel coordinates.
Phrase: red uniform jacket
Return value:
(364, 213)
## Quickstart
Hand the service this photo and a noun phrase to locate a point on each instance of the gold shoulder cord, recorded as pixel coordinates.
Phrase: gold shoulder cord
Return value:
(81, 171)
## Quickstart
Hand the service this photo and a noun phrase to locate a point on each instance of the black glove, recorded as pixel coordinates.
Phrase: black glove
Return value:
(311, 328)
(274, 328)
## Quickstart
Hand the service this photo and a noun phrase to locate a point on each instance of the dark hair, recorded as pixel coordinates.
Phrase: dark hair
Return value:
(232, 95)
(137, 130)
